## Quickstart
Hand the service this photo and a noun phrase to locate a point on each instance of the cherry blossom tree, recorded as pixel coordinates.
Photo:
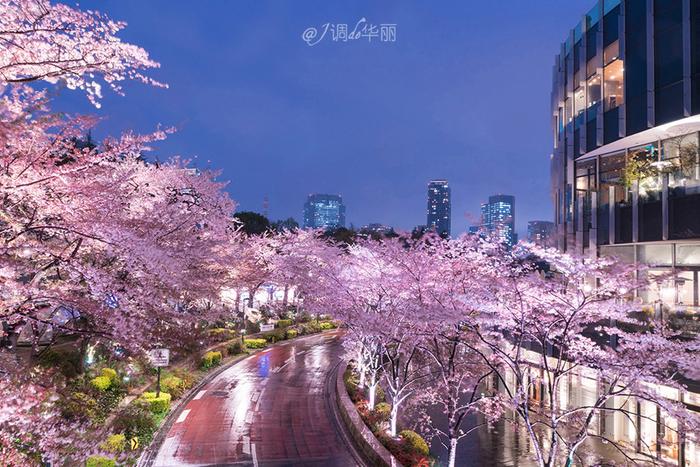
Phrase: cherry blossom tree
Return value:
(545, 328)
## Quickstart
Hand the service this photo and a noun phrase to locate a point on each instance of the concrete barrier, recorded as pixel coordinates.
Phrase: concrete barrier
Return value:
(364, 439)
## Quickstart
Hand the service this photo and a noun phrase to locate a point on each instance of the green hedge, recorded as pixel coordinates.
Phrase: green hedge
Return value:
(115, 443)
(326, 325)
(157, 405)
(100, 461)
(235, 348)
(292, 333)
(255, 343)
(136, 421)
(415, 442)
(101, 383)
(283, 323)
(109, 373)
(173, 386)
(382, 411)
(211, 359)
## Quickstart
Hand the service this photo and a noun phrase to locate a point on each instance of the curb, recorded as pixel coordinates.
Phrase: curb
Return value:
(363, 437)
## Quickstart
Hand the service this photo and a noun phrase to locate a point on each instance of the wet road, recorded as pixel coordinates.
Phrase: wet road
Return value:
(271, 409)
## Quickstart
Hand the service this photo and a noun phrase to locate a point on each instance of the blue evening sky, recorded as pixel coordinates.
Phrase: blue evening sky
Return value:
(462, 94)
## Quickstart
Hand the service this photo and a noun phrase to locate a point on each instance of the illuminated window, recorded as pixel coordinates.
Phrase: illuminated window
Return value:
(613, 89)
(593, 90)
(611, 52)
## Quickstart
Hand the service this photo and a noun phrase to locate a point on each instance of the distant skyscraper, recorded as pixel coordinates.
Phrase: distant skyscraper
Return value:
(439, 207)
(324, 211)
(541, 233)
(498, 219)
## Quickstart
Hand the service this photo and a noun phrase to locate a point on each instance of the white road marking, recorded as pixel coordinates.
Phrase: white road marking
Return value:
(199, 395)
(257, 405)
(246, 445)
(255, 396)
(302, 352)
(255, 455)
(249, 417)
(182, 416)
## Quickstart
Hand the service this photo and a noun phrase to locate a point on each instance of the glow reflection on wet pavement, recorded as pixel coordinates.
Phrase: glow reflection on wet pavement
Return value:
(269, 409)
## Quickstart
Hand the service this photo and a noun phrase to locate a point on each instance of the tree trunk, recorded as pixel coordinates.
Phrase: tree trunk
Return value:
(394, 418)
(453, 453)
(372, 391)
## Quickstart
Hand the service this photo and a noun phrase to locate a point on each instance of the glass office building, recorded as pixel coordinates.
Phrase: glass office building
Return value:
(498, 219)
(625, 166)
(324, 212)
(541, 233)
(626, 126)
(439, 207)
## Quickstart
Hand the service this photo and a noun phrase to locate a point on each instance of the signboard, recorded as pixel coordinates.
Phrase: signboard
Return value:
(266, 327)
(159, 357)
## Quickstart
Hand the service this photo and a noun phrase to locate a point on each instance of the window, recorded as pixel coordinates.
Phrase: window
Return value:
(613, 90)
(593, 90)
(611, 52)
(579, 101)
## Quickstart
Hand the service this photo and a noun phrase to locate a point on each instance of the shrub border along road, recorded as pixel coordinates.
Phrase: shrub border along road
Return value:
(362, 436)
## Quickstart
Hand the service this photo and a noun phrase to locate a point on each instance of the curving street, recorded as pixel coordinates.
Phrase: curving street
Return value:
(271, 409)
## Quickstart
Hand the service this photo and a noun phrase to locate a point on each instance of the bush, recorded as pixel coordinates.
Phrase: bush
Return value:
(415, 442)
(115, 444)
(68, 362)
(275, 336)
(326, 325)
(211, 359)
(222, 334)
(382, 412)
(101, 383)
(136, 421)
(283, 323)
(100, 461)
(255, 343)
(109, 373)
(188, 379)
(292, 333)
(173, 386)
(251, 328)
(157, 405)
(235, 348)
(79, 406)
(379, 395)
(311, 327)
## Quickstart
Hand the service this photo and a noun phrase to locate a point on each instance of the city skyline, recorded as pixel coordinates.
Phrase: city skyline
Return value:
(275, 109)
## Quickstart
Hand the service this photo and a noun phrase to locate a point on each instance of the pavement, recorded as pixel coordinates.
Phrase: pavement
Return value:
(274, 408)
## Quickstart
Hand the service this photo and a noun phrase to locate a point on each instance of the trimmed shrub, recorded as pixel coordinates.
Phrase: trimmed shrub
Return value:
(382, 412)
(115, 443)
(415, 442)
(255, 343)
(173, 386)
(292, 333)
(109, 373)
(211, 359)
(275, 336)
(101, 383)
(136, 421)
(157, 405)
(188, 379)
(222, 334)
(326, 325)
(79, 406)
(235, 348)
(283, 323)
(100, 461)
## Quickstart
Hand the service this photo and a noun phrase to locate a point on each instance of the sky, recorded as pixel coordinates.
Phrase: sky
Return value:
(462, 94)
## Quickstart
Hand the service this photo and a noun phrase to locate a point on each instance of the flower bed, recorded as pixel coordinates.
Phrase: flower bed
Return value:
(409, 447)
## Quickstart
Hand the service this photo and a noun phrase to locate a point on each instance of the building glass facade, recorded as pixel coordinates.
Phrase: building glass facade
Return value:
(439, 207)
(324, 212)
(498, 219)
(625, 166)
(541, 233)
